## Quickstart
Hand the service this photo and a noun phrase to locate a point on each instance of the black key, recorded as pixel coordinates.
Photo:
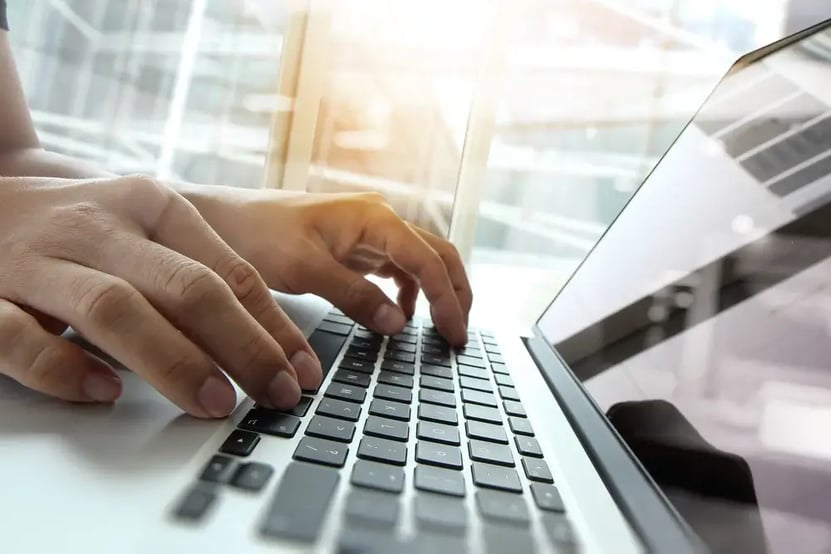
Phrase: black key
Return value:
(382, 450)
(387, 428)
(496, 359)
(440, 360)
(392, 410)
(326, 346)
(494, 477)
(470, 361)
(435, 340)
(482, 413)
(350, 393)
(361, 354)
(399, 356)
(528, 446)
(547, 497)
(478, 397)
(336, 328)
(470, 351)
(301, 521)
(436, 383)
(503, 380)
(361, 366)
(441, 513)
(486, 432)
(372, 508)
(270, 422)
(475, 372)
(509, 393)
(398, 367)
(500, 369)
(439, 414)
(392, 378)
(437, 371)
(252, 476)
(513, 408)
(537, 470)
(218, 470)
(240, 443)
(391, 392)
(437, 397)
(378, 476)
(321, 451)
(559, 531)
(441, 455)
(360, 343)
(407, 338)
(438, 432)
(492, 349)
(338, 318)
(339, 409)
(501, 536)
(482, 451)
(443, 481)
(521, 426)
(401, 346)
(475, 384)
(366, 334)
(435, 349)
(195, 504)
(502, 506)
(351, 378)
(330, 428)
(301, 408)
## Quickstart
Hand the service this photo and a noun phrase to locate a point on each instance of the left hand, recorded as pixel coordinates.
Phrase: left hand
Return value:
(326, 244)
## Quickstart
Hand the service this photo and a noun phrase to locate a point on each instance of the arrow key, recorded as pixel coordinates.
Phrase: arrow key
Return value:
(331, 428)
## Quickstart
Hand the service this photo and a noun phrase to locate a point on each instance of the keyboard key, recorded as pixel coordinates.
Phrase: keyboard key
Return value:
(351, 378)
(486, 432)
(521, 426)
(301, 521)
(378, 476)
(436, 383)
(349, 393)
(482, 451)
(321, 451)
(218, 469)
(441, 513)
(492, 349)
(361, 366)
(339, 409)
(398, 367)
(439, 414)
(482, 413)
(372, 507)
(441, 455)
(362, 354)
(559, 531)
(496, 359)
(471, 361)
(387, 428)
(435, 349)
(475, 384)
(435, 340)
(513, 408)
(537, 470)
(401, 346)
(470, 351)
(437, 371)
(494, 477)
(547, 497)
(382, 450)
(508, 393)
(392, 410)
(399, 356)
(195, 504)
(330, 428)
(443, 481)
(501, 536)
(365, 344)
(503, 380)
(502, 506)
(270, 422)
(252, 476)
(438, 432)
(499, 369)
(391, 392)
(326, 346)
(240, 443)
(408, 338)
(438, 397)
(488, 339)
(366, 334)
(440, 360)
(528, 446)
(475, 372)
(336, 328)
(478, 397)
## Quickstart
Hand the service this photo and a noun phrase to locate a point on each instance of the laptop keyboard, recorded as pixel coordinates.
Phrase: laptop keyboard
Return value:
(465, 415)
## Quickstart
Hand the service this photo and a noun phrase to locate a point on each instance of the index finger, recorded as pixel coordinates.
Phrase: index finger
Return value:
(455, 267)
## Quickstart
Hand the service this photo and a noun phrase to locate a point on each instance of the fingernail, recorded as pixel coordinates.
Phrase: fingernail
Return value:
(217, 397)
(389, 320)
(284, 391)
(309, 372)
(102, 387)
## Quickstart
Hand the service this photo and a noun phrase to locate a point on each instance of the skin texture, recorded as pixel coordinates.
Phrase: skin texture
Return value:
(172, 279)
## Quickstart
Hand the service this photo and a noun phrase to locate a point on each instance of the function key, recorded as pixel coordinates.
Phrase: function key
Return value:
(339, 409)
(547, 497)
(482, 413)
(398, 367)
(252, 476)
(436, 383)
(441, 513)
(195, 504)
(320, 451)
(240, 443)
(350, 393)
(392, 392)
(392, 410)
(437, 371)
(502, 506)
(521, 426)
(377, 476)
(270, 422)
(330, 428)
(218, 470)
(442, 481)
(438, 432)
(478, 397)
(361, 366)
(399, 356)
(495, 477)
(287, 518)
(503, 380)
(537, 470)
(482, 451)
(336, 328)
(382, 450)
(486, 431)
(441, 455)
(513, 408)
(392, 378)
(351, 378)
(441, 398)
(509, 393)
(438, 414)
(528, 446)
(475, 384)
(385, 428)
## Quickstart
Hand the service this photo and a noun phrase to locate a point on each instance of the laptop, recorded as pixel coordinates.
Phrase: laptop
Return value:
(674, 397)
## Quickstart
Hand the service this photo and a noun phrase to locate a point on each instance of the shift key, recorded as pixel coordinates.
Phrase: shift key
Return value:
(300, 504)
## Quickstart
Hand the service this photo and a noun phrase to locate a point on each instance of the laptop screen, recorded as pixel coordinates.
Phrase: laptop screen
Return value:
(701, 322)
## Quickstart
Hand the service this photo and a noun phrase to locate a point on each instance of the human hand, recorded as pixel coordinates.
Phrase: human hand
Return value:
(133, 267)
(326, 243)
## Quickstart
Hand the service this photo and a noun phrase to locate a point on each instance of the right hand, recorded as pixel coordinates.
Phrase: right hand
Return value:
(133, 267)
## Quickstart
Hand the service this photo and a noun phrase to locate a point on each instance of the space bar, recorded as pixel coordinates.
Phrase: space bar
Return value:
(300, 503)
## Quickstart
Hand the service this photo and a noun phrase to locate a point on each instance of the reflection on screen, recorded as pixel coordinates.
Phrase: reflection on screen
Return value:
(701, 323)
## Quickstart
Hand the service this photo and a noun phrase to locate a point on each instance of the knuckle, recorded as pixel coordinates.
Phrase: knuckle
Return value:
(12, 325)
(179, 368)
(359, 293)
(195, 285)
(42, 369)
(244, 280)
(104, 300)
(148, 188)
